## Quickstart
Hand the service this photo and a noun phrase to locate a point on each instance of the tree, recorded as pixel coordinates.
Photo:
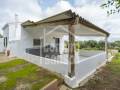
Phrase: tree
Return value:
(113, 6)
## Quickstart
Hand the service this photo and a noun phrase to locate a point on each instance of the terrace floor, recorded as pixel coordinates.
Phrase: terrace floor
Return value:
(64, 58)
(80, 55)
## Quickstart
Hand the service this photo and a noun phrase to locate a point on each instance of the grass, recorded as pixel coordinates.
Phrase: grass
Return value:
(12, 64)
(108, 78)
(114, 66)
(28, 74)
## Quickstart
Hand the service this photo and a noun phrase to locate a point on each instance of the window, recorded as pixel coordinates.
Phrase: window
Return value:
(37, 42)
(5, 41)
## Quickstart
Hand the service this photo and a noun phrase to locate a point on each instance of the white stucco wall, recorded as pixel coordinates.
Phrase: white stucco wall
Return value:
(61, 45)
(27, 36)
(23, 43)
(1, 45)
(50, 64)
(14, 31)
(85, 68)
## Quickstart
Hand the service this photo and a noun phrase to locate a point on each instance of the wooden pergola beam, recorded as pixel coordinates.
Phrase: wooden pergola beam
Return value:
(51, 23)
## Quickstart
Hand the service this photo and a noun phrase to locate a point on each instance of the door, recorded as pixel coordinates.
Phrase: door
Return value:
(57, 44)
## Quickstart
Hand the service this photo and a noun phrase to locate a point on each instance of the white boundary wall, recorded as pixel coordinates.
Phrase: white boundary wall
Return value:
(85, 68)
(50, 64)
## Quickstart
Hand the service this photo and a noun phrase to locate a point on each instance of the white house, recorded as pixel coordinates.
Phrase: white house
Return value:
(11, 34)
(28, 40)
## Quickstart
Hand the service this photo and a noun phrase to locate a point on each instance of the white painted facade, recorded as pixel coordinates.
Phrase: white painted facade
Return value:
(25, 38)
(12, 32)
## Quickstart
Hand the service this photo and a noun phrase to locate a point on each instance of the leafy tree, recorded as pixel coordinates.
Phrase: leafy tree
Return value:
(94, 45)
(66, 44)
(101, 45)
(77, 44)
(113, 6)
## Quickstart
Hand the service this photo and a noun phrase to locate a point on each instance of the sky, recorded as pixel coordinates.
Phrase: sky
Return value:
(38, 9)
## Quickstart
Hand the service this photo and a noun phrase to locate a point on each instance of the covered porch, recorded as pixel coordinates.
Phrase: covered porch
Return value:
(73, 66)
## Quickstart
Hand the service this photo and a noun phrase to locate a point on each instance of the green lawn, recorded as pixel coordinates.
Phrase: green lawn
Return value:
(108, 78)
(19, 72)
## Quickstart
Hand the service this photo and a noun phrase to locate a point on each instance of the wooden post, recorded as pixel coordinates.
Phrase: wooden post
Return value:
(106, 46)
(44, 39)
(71, 56)
(71, 62)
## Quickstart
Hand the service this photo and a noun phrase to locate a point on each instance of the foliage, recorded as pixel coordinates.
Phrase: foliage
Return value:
(114, 66)
(113, 6)
(77, 45)
(115, 45)
(13, 63)
(91, 44)
(66, 44)
(95, 45)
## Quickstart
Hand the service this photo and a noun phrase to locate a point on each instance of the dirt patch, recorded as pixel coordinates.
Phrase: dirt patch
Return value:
(4, 58)
(2, 79)
(23, 85)
(18, 67)
(103, 80)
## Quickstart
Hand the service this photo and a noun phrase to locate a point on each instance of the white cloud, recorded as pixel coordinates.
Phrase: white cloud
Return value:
(94, 13)
(59, 7)
(26, 9)
(30, 9)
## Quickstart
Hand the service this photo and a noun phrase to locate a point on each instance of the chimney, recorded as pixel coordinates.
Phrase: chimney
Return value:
(16, 20)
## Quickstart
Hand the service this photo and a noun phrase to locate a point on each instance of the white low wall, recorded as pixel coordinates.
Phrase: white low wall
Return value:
(50, 64)
(85, 68)
(89, 65)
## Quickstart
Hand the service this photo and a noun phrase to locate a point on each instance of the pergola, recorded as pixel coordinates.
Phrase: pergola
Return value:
(73, 21)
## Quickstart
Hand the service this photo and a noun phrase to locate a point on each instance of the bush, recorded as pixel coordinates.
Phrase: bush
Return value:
(119, 50)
